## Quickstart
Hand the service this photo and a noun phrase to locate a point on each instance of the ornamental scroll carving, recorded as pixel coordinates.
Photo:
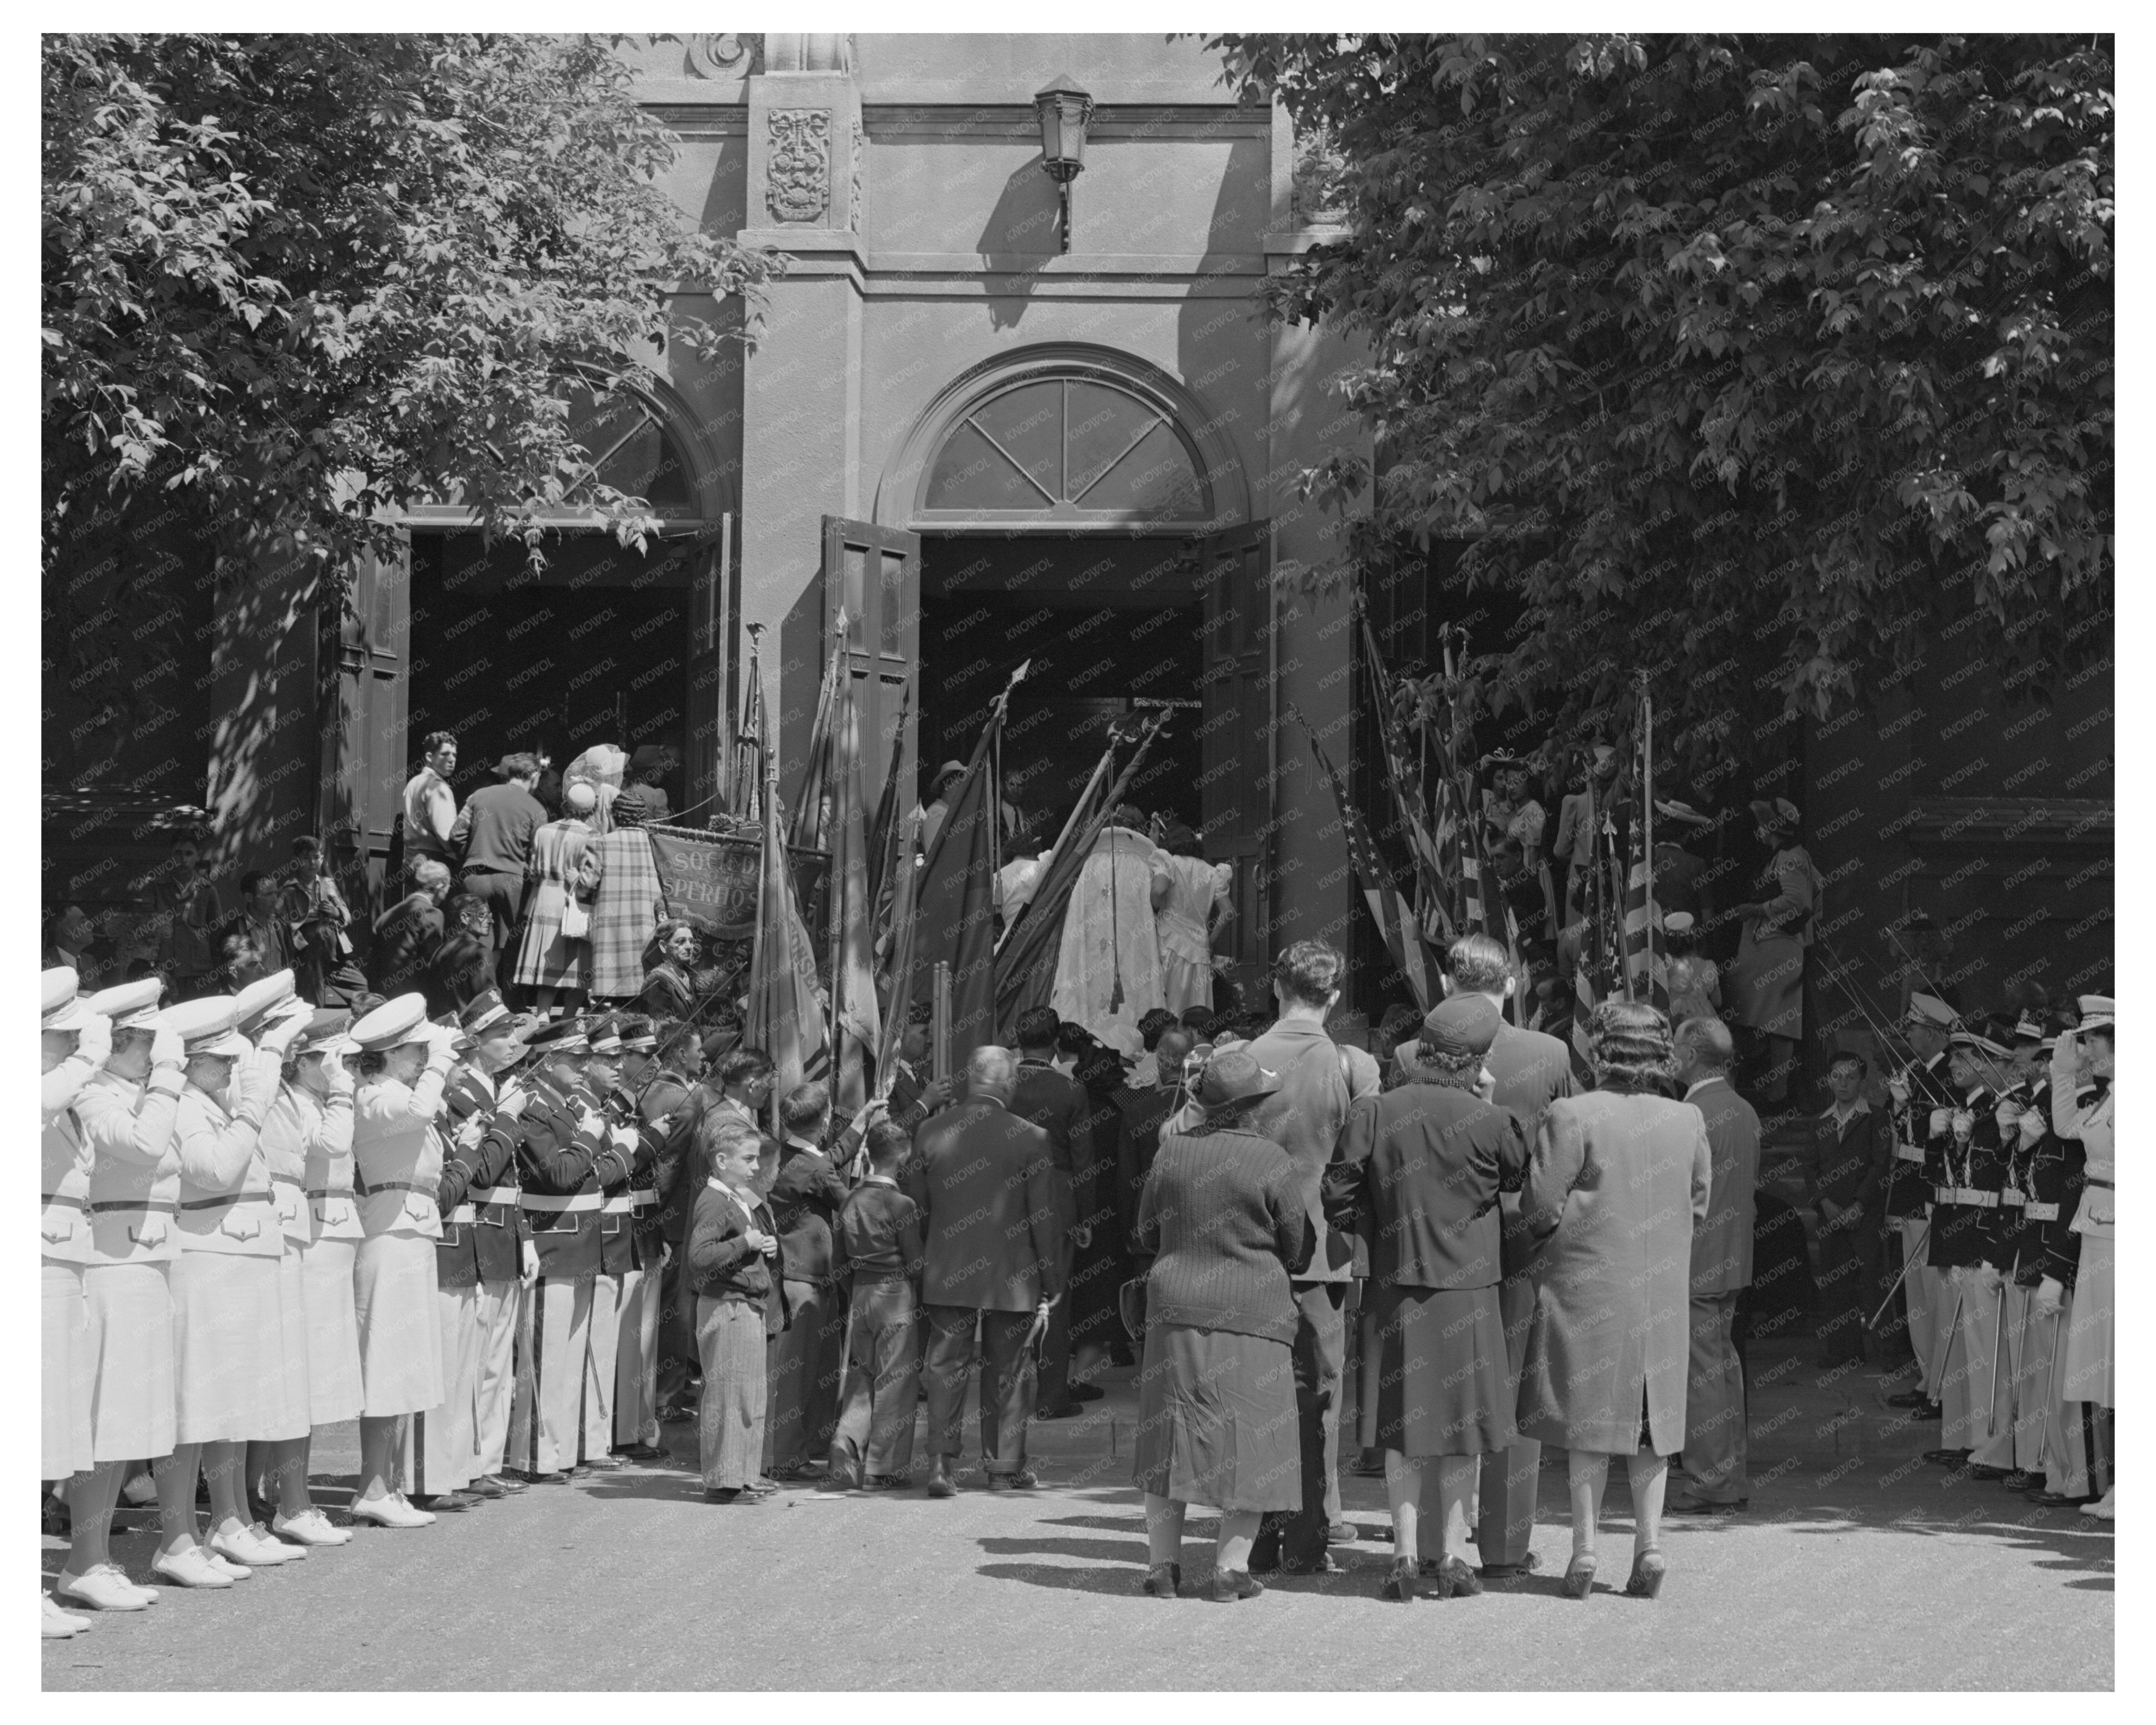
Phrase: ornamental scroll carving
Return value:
(728, 56)
(798, 186)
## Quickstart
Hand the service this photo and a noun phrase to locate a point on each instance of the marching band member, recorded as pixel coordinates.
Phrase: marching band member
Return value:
(1969, 1170)
(73, 1042)
(228, 1332)
(398, 1160)
(562, 1143)
(1921, 1087)
(658, 1090)
(2090, 1339)
(127, 1113)
(308, 1134)
(617, 1240)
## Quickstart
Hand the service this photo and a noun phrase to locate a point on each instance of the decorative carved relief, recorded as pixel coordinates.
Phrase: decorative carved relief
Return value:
(853, 206)
(798, 178)
(714, 56)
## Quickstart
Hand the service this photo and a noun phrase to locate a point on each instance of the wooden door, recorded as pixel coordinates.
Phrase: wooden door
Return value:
(364, 744)
(1238, 732)
(714, 676)
(874, 573)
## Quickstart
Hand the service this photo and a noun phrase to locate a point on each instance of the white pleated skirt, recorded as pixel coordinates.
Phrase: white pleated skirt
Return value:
(294, 1410)
(2092, 1330)
(228, 1349)
(64, 1375)
(132, 1409)
(400, 1340)
(333, 1391)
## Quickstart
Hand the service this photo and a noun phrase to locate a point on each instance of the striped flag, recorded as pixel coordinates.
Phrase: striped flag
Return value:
(1395, 917)
(856, 1023)
(1583, 1008)
(786, 1009)
(1405, 781)
(1645, 972)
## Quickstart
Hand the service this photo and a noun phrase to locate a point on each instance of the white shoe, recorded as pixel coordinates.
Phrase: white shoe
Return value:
(263, 1536)
(193, 1566)
(60, 1625)
(389, 1512)
(104, 1588)
(242, 1548)
(2102, 1509)
(311, 1527)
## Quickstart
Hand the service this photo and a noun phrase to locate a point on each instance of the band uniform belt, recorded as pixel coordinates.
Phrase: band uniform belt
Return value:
(494, 1194)
(2040, 1212)
(217, 1204)
(2014, 1200)
(1908, 1152)
(616, 1203)
(2091, 1180)
(1973, 1197)
(552, 1205)
(66, 1201)
(162, 1206)
(462, 1212)
(365, 1190)
(643, 1200)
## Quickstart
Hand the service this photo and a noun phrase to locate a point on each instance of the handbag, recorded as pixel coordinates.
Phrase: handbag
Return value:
(576, 919)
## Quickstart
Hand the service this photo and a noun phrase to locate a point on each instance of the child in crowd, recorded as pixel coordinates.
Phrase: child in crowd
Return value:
(735, 1267)
(878, 1243)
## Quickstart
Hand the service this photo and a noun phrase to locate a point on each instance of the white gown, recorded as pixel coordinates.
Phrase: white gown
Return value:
(1099, 942)
(1186, 948)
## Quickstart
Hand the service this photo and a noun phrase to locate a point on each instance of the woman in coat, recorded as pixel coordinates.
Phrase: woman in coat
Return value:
(626, 908)
(1222, 1212)
(1433, 1153)
(2080, 1057)
(1767, 979)
(564, 868)
(1619, 1179)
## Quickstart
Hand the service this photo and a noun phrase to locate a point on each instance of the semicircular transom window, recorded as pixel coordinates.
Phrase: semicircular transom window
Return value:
(1067, 449)
(629, 446)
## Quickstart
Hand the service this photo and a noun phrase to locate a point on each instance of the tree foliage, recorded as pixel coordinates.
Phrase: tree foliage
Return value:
(1756, 362)
(294, 283)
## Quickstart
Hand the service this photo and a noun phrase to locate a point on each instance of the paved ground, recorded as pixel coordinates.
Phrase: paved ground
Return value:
(1857, 1568)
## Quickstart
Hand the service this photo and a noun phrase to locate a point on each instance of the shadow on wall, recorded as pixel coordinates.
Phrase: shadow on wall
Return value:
(1024, 231)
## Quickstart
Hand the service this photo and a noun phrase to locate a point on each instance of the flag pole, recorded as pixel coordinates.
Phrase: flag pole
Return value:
(1647, 819)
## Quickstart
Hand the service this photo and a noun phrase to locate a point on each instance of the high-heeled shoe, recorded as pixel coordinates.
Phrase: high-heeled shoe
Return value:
(1579, 1575)
(1456, 1579)
(1399, 1583)
(1164, 1581)
(1648, 1569)
(1235, 1584)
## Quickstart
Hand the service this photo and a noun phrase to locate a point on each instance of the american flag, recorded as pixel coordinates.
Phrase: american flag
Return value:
(1394, 917)
(1405, 781)
(1646, 974)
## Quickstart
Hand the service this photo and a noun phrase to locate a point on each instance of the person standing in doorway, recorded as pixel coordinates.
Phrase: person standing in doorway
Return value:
(1196, 902)
(430, 806)
(495, 830)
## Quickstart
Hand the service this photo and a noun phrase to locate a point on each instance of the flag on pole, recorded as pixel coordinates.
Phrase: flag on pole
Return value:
(1583, 1008)
(1645, 969)
(785, 1007)
(812, 801)
(898, 992)
(856, 1024)
(748, 742)
(1405, 781)
(1394, 917)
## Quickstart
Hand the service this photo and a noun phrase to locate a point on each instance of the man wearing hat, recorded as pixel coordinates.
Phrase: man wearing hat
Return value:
(643, 798)
(126, 1113)
(563, 1153)
(494, 830)
(1678, 873)
(619, 1176)
(1923, 1086)
(654, 1090)
(939, 803)
(1968, 1166)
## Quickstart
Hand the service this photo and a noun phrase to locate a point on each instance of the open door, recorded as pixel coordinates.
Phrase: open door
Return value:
(364, 745)
(1237, 731)
(874, 574)
(713, 675)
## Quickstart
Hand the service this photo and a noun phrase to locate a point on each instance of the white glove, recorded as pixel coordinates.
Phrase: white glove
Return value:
(1942, 1118)
(167, 1048)
(623, 1136)
(93, 1042)
(2032, 1129)
(2050, 1293)
(531, 1273)
(1898, 1092)
(2006, 1116)
(342, 1082)
(282, 1032)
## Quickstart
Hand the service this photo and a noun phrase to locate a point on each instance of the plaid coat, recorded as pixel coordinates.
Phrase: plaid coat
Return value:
(625, 912)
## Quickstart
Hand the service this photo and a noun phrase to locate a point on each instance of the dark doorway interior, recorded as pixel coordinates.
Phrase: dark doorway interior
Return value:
(593, 650)
(1108, 624)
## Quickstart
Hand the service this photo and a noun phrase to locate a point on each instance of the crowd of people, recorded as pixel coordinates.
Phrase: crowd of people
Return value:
(514, 1207)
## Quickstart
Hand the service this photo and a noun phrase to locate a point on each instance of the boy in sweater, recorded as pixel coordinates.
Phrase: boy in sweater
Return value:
(878, 1245)
(736, 1267)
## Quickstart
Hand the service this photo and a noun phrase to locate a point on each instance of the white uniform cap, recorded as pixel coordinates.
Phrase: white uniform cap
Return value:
(390, 1023)
(132, 1006)
(1930, 1010)
(57, 1008)
(206, 1026)
(1677, 922)
(2098, 1011)
(260, 995)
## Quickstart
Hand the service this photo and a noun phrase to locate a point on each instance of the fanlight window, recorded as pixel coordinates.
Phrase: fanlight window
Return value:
(631, 448)
(1068, 448)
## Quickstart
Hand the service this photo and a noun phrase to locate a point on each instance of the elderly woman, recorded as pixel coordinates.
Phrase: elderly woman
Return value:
(404, 1062)
(1619, 1178)
(1223, 1214)
(556, 957)
(1434, 1154)
(2080, 1057)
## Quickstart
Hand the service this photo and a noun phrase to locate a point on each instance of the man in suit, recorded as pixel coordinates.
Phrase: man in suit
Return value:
(493, 832)
(1305, 1116)
(1532, 1070)
(1059, 1106)
(1721, 1270)
(983, 1178)
(1852, 1148)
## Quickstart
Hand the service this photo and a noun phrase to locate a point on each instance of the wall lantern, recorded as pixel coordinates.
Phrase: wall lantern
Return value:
(1065, 109)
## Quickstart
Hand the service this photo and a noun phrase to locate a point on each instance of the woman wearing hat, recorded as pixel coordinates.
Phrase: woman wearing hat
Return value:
(1767, 981)
(564, 871)
(2086, 1055)
(308, 1131)
(128, 1111)
(1433, 1153)
(1197, 896)
(625, 909)
(1619, 1178)
(1222, 1214)
(403, 1063)
(1695, 980)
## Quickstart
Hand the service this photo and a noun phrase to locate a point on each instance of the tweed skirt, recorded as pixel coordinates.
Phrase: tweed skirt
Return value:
(1217, 1420)
(131, 1344)
(64, 1376)
(295, 1409)
(228, 1349)
(1433, 1375)
(333, 1391)
(2091, 1327)
(400, 1338)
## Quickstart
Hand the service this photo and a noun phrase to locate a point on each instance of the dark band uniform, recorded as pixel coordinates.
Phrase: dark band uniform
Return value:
(1965, 1249)
(1908, 1203)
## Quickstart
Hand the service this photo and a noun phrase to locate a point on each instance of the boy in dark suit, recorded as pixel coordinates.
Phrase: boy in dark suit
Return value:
(877, 1246)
